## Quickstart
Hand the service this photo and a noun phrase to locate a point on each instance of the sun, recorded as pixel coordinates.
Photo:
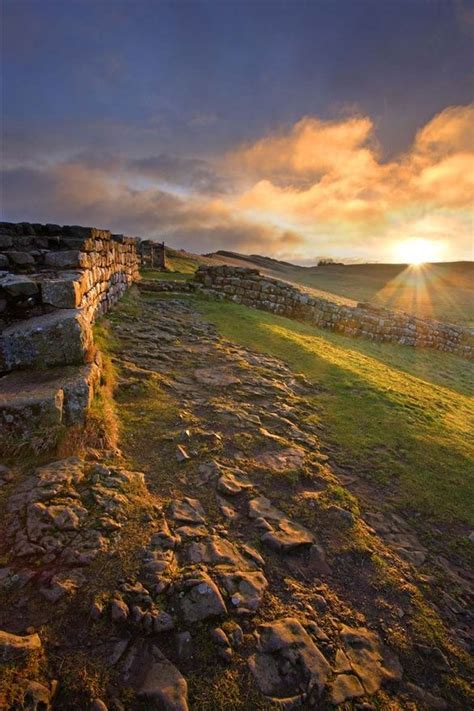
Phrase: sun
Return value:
(417, 251)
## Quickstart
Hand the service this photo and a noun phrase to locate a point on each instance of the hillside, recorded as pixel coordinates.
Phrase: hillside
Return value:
(442, 291)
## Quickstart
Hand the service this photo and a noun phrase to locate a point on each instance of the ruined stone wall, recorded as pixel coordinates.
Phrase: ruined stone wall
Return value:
(47, 267)
(247, 286)
(54, 281)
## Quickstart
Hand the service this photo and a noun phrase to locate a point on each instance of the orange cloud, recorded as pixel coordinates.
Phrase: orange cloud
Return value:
(319, 187)
(327, 178)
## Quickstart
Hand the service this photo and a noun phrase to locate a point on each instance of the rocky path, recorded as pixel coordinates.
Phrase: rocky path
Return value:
(216, 561)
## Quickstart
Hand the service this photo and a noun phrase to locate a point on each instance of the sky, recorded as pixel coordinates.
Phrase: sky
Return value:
(295, 129)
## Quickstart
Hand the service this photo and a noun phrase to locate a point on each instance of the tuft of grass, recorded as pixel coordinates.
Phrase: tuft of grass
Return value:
(155, 275)
(338, 495)
(180, 261)
(223, 689)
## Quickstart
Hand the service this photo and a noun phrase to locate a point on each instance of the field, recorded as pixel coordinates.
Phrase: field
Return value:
(442, 291)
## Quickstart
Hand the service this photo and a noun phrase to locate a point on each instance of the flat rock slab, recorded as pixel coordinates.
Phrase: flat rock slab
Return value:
(246, 590)
(63, 337)
(281, 534)
(200, 599)
(215, 377)
(346, 686)
(219, 552)
(370, 659)
(233, 483)
(187, 510)
(163, 686)
(288, 459)
(288, 664)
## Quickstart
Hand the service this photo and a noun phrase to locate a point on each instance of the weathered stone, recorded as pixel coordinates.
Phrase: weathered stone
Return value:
(188, 510)
(282, 534)
(342, 663)
(64, 259)
(163, 622)
(232, 483)
(64, 292)
(215, 377)
(60, 338)
(246, 590)
(34, 404)
(63, 584)
(18, 286)
(220, 637)
(345, 686)
(164, 686)
(119, 610)
(288, 663)
(371, 660)
(220, 552)
(181, 454)
(21, 259)
(201, 599)
(288, 459)
(13, 647)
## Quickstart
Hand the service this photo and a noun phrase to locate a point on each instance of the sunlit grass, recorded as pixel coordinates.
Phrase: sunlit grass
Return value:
(400, 416)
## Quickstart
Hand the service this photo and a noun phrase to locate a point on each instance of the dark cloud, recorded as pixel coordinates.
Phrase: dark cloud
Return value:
(76, 192)
(192, 173)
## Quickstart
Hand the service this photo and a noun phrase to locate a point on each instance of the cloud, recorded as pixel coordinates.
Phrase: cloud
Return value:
(316, 187)
(193, 173)
(79, 193)
(327, 180)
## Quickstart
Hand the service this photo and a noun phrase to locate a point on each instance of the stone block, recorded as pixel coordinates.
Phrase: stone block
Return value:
(17, 286)
(29, 404)
(66, 259)
(38, 403)
(21, 259)
(6, 241)
(60, 338)
(65, 292)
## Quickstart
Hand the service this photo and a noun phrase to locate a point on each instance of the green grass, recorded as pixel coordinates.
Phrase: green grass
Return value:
(154, 275)
(438, 291)
(399, 416)
(180, 261)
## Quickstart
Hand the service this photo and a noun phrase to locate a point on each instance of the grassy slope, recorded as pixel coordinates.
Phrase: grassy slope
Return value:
(396, 415)
(439, 291)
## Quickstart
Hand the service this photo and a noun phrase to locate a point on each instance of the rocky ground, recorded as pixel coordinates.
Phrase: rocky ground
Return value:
(217, 559)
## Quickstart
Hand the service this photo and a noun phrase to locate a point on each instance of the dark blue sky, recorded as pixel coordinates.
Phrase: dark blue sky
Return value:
(109, 78)
(211, 73)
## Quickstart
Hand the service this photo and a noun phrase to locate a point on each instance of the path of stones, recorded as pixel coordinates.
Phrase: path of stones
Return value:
(226, 582)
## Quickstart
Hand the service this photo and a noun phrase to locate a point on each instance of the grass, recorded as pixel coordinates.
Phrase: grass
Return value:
(398, 416)
(154, 275)
(180, 261)
(440, 291)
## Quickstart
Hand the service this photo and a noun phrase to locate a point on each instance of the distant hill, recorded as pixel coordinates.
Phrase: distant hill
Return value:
(256, 259)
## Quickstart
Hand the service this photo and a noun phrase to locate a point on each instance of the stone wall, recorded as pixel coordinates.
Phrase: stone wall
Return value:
(47, 267)
(54, 281)
(247, 286)
(153, 254)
